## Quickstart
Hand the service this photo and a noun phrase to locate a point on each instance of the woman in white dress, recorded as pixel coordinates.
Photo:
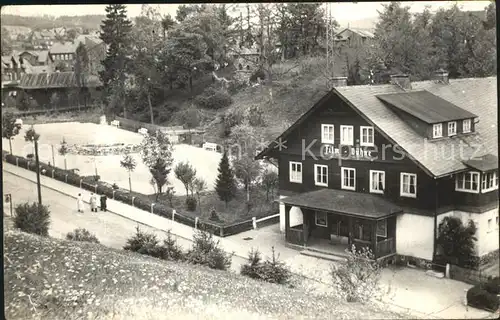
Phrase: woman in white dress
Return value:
(79, 202)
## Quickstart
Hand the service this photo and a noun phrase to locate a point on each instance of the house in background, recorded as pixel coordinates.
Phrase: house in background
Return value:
(13, 68)
(41, 40)
(38, 58)
(380, 166)
(353, 38)
(63, 53)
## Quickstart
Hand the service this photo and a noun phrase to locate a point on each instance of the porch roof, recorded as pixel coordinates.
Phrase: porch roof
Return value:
(357, 204)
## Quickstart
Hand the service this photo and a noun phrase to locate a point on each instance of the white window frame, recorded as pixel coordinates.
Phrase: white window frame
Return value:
(320, 183)
(323, 127)
(454, 125)
(295, 178)
(385, 229)
(343, 170)
(316, 219)
(369, 130)
(489, 182)
(378, 173)
(462, 187)
(349, 142)
(466, 128)
(437, 130)
(402, 192)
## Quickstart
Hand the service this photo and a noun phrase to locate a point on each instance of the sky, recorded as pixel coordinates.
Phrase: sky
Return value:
(343, 12)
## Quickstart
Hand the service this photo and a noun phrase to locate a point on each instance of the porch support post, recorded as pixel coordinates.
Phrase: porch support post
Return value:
(350, 235)
(374, 238)
(287, 221)
(305, 226)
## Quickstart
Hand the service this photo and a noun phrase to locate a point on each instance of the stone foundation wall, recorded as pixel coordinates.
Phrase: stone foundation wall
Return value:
(417, 262)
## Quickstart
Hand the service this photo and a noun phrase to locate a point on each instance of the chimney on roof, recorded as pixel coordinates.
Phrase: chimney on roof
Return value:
(402, 81)
(338, 82)
(441, 76)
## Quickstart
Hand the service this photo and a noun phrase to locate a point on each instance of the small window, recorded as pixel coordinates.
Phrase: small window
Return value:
(295, 172)
(321, 219)
(437, 130)
(382, 228)
(467, 182)
(327, 133)
(366, 134)
(348, 178)
(452, 128)
(408, 185)
(466, 126)
(346, 135)
(377, 181)
(321, 175)
(489, 182)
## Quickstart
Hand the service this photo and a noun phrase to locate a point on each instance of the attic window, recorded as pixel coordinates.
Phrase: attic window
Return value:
(437, 130)
(466, 126)
(452, 128)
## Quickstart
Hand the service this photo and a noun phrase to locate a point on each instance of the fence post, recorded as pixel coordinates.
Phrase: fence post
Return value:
(196, 223)
(17, 161)
(66, 178)
(81, 180)
(447, 271)
(133, 201)
(254, 222)
(152, 206)
(27, 165)
(95, 189)
(114, 194)
(465, 299)
(221, 231)
(53, 173)
(173, 214)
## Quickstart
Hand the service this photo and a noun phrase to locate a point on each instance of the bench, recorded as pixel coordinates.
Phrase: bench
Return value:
(210, 146)
(143, 131)
(115, 123)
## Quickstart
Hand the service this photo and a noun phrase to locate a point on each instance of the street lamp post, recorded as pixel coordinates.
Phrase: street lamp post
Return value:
(37, 162)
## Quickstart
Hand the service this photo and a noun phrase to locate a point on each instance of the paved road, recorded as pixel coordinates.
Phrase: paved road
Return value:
(112, 230)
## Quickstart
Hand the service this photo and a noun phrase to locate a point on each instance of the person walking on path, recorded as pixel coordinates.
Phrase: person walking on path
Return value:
(93, 202)
(103, 203)
(79, 202)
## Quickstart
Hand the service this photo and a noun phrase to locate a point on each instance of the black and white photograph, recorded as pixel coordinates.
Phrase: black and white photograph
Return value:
(292, 160)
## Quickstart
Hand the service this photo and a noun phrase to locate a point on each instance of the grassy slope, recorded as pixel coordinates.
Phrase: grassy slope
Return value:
(54, 279)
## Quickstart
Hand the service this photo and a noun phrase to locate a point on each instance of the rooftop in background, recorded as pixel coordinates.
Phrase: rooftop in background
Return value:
(426, 106)
(55, 80)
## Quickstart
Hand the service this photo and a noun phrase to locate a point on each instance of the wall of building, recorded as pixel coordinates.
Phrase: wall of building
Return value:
(414, 234)
(296, 216)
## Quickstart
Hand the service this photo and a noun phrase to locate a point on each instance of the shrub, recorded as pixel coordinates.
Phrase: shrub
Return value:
(206, 252)
(191, 203)
(143, 243)
(81, 234)
(357, 279)
(480, 298)
(492, 285)
(170, 250)
(32, 218)
(272, 270)
(258, 74)
(214, 99)
(456, 241)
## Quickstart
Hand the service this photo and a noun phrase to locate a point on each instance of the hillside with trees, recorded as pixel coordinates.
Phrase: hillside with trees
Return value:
(92, 22)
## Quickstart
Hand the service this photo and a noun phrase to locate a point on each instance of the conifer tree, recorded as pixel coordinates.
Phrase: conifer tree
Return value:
(225, 184)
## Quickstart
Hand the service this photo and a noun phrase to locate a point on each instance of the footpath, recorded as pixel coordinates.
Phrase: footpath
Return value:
(410, 290)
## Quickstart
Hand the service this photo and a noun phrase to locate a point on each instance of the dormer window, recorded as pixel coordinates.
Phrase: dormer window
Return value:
(437, 130)
(466, 126)
(452, 128)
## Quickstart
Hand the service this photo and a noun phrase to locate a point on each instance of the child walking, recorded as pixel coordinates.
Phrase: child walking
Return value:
(79, 202)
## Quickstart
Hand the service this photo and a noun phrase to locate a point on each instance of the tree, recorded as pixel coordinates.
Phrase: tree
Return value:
(129, 164)
(167, 23)
(61, 66)
(199, 186)
(55, 100)
(115, 33)
(81, 66)
(491, 16)
(456, 241)
(31, 134)
(156, 154)
(6, 42)
(63, 151)
(9, 128)
(247, 170)
(225, 185)
(71, 34)
(186, 174)
(270, 182)
(357, 280)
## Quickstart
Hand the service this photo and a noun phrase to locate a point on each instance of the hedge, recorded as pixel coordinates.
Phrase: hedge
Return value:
(478, 297)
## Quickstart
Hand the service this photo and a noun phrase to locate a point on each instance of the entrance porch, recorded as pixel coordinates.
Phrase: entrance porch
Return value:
(334, 220)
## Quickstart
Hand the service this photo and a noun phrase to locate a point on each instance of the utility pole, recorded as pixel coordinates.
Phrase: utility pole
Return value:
(37, 161)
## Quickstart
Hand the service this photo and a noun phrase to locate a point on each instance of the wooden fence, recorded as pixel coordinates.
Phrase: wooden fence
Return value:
(53, 110)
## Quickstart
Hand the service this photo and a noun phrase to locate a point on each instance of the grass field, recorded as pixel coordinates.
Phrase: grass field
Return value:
(55, 279)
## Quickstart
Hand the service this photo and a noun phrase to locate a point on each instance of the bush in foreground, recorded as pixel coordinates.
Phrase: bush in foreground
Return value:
(207, 252)
(143, 243)
(492, 285)
(33, 218)
(81, 234)
(480, 298)
(357, 279)
(271, 270)
(170, 250)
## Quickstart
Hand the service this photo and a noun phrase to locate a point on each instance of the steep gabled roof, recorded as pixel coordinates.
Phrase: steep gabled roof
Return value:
(477, 96)
(426, 106)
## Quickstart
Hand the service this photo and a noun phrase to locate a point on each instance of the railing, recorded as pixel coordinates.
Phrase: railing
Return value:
(385, 247)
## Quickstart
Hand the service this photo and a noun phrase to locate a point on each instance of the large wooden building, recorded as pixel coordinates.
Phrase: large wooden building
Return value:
(381, 165)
